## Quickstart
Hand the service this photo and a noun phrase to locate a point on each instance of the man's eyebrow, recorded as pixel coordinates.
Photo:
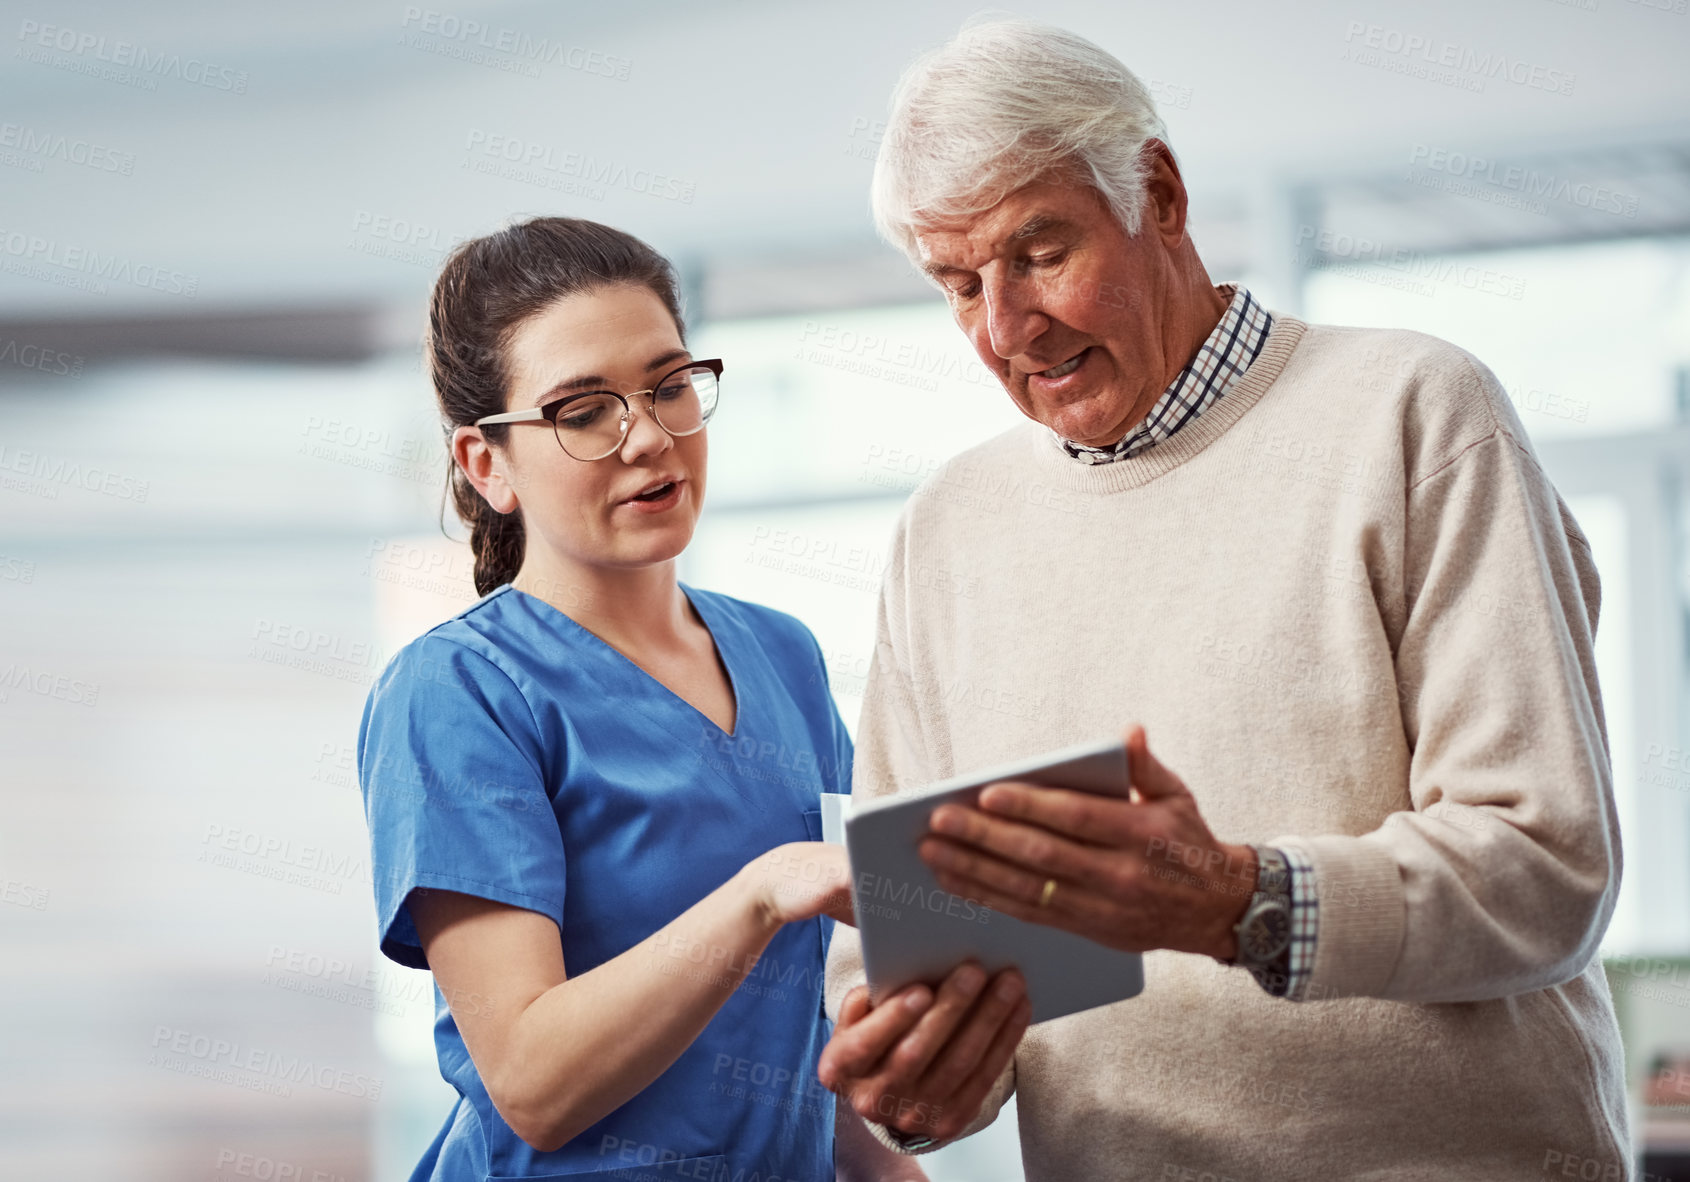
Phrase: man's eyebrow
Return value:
(939, 270)
(1041, 223)
(592, 381)
(1038, 224)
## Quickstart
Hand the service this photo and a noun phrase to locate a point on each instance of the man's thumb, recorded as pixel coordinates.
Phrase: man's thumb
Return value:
(1149, 778)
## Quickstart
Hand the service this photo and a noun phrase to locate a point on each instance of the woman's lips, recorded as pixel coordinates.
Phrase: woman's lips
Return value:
(667, 501)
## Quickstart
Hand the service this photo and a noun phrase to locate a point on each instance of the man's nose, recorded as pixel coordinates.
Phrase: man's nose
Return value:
(1013, 320)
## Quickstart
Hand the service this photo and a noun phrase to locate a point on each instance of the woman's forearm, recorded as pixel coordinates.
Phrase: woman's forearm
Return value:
(591, 1043)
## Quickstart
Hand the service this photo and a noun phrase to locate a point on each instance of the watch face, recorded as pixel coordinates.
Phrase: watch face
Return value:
(1265, 933)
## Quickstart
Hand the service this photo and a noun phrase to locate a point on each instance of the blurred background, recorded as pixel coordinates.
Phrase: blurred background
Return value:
(221, 470)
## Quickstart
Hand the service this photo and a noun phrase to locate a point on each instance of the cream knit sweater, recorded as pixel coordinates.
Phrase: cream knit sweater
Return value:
(1356, 618)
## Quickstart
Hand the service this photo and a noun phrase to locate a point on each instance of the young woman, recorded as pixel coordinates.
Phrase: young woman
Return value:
(593, 796)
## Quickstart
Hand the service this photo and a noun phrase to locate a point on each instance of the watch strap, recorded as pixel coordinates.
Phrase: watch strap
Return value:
(910, 1142)
(1273, 871)
(1273, 884)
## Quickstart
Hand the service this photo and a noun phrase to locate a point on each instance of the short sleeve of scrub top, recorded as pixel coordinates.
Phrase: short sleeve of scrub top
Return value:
(453, 783)
(512, 755)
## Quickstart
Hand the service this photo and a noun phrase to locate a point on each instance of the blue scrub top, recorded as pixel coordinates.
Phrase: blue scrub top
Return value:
(511, 754)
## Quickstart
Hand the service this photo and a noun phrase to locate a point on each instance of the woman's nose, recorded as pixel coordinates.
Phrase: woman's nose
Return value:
(646, 435)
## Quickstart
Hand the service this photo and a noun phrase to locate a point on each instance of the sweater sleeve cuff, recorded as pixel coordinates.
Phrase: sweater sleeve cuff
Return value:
(1361, 916)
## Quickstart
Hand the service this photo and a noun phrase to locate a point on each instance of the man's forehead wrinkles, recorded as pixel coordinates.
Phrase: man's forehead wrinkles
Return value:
(948, 250)
(954, 247)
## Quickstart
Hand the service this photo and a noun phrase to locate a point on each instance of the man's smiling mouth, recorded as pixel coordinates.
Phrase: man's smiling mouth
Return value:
(1063, 369)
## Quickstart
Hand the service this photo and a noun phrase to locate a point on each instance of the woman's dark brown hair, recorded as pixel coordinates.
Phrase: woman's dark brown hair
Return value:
(488, 287)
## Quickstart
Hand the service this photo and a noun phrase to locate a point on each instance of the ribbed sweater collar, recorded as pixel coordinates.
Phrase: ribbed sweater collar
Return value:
(1192, 438)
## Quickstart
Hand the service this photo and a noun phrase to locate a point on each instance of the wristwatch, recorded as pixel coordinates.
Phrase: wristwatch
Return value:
(911, 1142)
(1264, 933)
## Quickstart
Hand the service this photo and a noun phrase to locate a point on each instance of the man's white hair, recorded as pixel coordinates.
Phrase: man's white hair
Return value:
(1002, 104)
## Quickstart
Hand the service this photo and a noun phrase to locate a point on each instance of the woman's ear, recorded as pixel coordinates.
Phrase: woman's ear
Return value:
(486, 467)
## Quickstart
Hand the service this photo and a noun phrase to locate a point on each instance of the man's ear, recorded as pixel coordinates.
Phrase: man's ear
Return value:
(486, 467)
(1165, 189)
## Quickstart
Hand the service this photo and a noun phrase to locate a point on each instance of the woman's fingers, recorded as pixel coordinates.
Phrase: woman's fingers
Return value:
(804, 879)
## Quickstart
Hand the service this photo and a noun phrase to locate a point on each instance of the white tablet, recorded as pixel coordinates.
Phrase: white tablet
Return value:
(912, 929)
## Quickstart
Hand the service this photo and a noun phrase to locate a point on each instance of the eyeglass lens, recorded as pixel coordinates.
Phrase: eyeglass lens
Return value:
(591, 428)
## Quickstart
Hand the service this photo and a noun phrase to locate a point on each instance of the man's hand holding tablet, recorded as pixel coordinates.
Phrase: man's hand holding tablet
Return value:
(1135, 874)
(1131, 873)
(922, 1061)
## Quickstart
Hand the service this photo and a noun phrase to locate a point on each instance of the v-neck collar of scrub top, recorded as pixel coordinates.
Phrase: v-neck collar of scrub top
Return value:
(712, 625)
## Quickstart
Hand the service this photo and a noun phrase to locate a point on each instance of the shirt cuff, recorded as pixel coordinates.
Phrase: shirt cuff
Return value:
(1305, 924)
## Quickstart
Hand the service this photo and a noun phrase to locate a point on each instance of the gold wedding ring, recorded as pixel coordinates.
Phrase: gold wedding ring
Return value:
(1046, 894)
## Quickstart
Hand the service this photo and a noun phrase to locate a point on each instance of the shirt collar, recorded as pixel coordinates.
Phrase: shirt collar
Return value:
(1219, 362)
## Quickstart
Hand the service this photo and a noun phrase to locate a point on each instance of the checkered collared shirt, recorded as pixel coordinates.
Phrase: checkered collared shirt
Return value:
(1220, 362)
(1305, 921)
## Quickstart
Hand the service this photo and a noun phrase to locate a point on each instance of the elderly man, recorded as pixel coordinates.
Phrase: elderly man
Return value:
(1324, 570)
